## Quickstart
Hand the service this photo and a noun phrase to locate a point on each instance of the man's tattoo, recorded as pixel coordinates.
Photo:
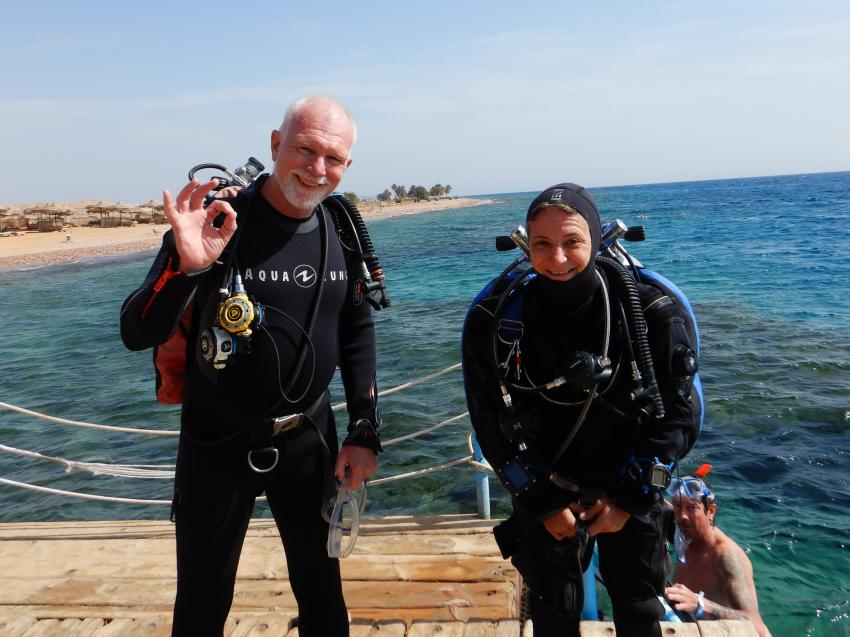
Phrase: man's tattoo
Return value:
(736, 587)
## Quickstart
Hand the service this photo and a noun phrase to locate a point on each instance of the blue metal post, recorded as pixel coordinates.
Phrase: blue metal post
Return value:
(482, 483)
(591, 610)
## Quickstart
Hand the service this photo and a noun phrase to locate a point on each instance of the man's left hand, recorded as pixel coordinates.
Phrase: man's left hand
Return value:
(356, 464)
(682, 598)
(604, 517)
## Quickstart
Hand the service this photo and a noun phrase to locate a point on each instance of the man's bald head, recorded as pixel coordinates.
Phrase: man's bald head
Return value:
(317, 106)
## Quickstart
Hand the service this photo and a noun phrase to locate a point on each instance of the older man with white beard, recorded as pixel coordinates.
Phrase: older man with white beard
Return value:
(258, 419)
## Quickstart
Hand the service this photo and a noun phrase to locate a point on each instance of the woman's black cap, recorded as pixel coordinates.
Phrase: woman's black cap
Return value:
(577, 198)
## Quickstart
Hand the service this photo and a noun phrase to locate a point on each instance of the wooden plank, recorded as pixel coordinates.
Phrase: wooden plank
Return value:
(151, 626)
(443, 569)
(14, 625)
(270, 624)
(428, 544)
(116, 628)
(441, 613)
(81, 628)
(595, 629)
(159, 626)
(676, 629)
(719, 628)
(428, 629)
(43, 628)
(477, 628)
(63, 627)
(86, 530)
(457, 524)
(368, 628)
(251, 594)
(508, 628)
(727, 628)
(155, 559)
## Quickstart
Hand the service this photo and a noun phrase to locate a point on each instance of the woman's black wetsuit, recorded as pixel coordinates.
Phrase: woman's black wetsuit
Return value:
(279, 260)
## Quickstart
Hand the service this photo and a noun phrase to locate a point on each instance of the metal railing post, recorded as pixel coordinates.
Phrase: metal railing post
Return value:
(482, 483)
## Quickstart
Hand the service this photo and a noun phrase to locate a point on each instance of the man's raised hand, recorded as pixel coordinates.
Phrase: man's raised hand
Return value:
(199, 243)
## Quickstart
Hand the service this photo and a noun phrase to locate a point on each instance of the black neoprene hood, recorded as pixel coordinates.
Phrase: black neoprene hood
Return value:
(577, 198)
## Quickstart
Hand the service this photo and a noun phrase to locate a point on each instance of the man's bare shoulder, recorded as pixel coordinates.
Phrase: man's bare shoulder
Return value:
(728, 553)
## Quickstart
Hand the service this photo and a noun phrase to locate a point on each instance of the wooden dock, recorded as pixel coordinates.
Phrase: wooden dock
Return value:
(408, 577)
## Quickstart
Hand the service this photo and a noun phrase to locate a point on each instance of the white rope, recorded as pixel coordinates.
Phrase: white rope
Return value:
(99, 468)
(483, 467)
(83, 496)
(167, 471)
(421, 472)
(421, 432)
(412, 383)
(104, 498)
(88, 425)
(161, 432)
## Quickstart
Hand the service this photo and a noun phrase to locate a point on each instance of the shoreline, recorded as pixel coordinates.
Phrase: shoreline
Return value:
(32, 249)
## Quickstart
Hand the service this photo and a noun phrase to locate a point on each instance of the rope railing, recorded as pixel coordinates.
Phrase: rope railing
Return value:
(77, 494)
(116, 499)
(167, 471)
(88, 425)
(421, 472)
(426, 430)
(171, 432)
(98, 468)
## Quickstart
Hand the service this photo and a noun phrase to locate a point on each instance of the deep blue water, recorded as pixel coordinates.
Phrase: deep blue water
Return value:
(763, 261)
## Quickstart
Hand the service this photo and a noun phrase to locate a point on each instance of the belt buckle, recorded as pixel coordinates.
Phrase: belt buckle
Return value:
(282, 424)
(564, 483)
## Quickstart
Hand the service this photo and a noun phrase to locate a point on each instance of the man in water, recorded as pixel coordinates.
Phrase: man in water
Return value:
(256, 415)
(713, 563)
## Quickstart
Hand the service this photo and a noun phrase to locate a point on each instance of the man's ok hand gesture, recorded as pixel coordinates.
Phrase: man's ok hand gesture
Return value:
(199, 243)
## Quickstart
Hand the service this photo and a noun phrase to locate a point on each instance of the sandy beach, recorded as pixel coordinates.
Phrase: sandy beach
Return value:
(24, 249)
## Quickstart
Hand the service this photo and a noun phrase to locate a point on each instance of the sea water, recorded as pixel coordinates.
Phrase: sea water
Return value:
(762, 260)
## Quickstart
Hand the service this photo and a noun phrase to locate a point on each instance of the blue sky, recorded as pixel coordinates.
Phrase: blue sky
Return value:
(117, 100)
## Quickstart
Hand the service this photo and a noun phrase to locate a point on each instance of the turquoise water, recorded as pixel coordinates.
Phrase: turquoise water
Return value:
(762, 260)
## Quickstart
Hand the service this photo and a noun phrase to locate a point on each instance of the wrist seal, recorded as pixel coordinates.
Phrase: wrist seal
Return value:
(363, 433)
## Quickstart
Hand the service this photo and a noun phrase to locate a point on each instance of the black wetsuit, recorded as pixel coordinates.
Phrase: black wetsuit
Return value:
(279, 260)
(533, 351)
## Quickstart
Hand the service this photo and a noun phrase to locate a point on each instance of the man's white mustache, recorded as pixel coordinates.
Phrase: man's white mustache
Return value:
(307, 179)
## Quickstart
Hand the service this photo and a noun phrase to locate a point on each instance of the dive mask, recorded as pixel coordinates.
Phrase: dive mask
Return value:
(691, 488)
(345, 520)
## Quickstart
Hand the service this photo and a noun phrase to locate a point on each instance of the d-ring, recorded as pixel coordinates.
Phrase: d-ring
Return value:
(266, 450)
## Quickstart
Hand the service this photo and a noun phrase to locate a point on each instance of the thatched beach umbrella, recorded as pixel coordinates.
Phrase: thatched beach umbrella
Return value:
(100, 209)
(157, 211)
(124, 210)
(49, 216)
(106, 211)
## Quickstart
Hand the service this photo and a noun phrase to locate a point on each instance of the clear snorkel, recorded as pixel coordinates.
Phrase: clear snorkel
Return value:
(345, 519)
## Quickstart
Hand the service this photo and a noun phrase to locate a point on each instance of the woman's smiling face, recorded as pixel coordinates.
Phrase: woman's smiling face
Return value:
(559, 243)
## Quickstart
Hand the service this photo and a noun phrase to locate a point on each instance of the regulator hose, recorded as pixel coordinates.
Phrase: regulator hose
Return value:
(367, 251)
(627, 287)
